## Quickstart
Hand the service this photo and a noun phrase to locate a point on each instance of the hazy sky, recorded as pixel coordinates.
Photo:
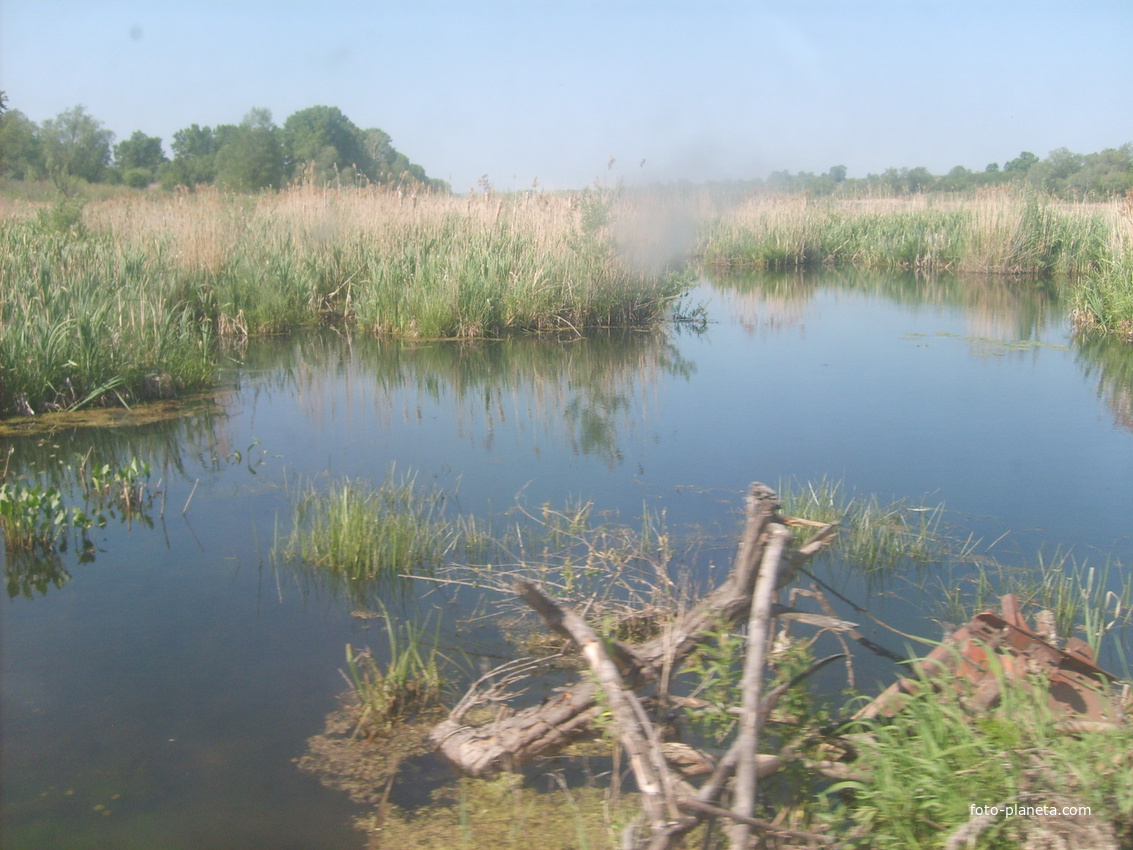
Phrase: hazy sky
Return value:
(553, 90)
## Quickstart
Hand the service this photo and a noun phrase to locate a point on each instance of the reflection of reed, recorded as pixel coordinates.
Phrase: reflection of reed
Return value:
(595, 388)
(992, 308)
(170, 436)
(1111, 361)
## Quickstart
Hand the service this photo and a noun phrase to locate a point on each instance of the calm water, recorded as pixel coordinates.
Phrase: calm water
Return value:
(158, 695)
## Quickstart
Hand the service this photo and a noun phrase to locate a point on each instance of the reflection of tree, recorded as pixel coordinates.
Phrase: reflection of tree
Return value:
(591, 386)
(1111, 361)
(993, 307)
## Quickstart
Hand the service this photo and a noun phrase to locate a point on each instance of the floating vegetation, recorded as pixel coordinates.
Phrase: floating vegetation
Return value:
(505, 813)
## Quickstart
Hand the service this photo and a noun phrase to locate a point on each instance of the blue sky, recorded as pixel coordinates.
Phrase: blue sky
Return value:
(525, 90)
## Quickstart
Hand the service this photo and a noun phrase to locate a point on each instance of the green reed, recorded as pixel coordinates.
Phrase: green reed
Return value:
(410, 682)
(875, 536)
(997, 233)
(128, 301)
(360, 534)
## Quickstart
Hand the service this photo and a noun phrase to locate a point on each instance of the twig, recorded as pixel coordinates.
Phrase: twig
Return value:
(185, 509)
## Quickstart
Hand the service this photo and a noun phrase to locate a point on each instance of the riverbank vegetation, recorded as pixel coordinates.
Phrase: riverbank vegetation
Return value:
(133, 298)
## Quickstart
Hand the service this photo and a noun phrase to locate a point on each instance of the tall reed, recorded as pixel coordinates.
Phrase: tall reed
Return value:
(129, 301)
(994, 232)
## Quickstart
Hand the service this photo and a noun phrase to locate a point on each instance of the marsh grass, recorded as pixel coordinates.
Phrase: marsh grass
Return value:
(995, 232)
(409, 683)
(126, 299)
(1104, 300)
(360, 535)
(876, 537)
(921, 773)
(1092, 603)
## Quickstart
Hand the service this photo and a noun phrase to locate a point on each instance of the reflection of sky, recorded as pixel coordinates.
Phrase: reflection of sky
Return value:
(185, 632)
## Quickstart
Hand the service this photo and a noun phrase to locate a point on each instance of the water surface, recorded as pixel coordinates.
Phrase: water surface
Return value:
(158, 695)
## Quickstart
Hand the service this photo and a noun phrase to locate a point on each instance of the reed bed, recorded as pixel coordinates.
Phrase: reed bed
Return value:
(1000, 232)
(128, 298)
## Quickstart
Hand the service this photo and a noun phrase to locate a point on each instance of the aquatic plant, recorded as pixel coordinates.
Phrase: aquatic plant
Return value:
(409, 683)
(874, 537)
(130, 305)
(358, 534)
(1104, 300)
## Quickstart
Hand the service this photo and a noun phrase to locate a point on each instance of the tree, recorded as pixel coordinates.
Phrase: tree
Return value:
(920, 179)
(1053, 173)
(21, 154)
(1022, 163)
(194, 157)
(139, 151)
(324, 142)
(75, 145)
(138, 158)
(250, 156)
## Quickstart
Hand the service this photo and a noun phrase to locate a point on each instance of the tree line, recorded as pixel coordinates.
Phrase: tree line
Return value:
(321, 145)
(318, 144)
(1092, 176)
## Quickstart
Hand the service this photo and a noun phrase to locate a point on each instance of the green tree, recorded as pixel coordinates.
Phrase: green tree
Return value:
(75, 145)
(326, 145)
(194, 158)
(139, 151)
(21, 154)
(920, 179)
(1022, 163)
(1055, 172)
(139, 158)
(250, 156)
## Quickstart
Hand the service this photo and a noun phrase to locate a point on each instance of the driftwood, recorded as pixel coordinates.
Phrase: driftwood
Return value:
(671, 806)
(513, 740)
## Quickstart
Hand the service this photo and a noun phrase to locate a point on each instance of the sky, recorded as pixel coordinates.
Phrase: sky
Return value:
(553, 91)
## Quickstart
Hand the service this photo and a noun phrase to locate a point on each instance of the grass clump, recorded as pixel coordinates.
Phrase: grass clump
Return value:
(1104, 300)
(409, 683)
(921, 774)
(876, 537)
(358, 535)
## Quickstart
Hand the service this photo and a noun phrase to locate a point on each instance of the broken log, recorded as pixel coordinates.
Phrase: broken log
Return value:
(505, 743)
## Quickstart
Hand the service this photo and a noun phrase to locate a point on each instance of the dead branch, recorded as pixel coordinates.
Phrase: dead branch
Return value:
(751, 685)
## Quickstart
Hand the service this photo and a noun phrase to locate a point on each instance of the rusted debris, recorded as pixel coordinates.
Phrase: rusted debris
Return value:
(996, 648)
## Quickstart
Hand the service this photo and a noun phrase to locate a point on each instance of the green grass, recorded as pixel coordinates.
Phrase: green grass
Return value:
(1104, 300)
(409, 683)
(360, 535)
(875, 537)
(921, 773)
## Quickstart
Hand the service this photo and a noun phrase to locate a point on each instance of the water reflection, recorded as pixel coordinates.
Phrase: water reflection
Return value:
(588, 391)
(993, 308)
(1109, 362)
